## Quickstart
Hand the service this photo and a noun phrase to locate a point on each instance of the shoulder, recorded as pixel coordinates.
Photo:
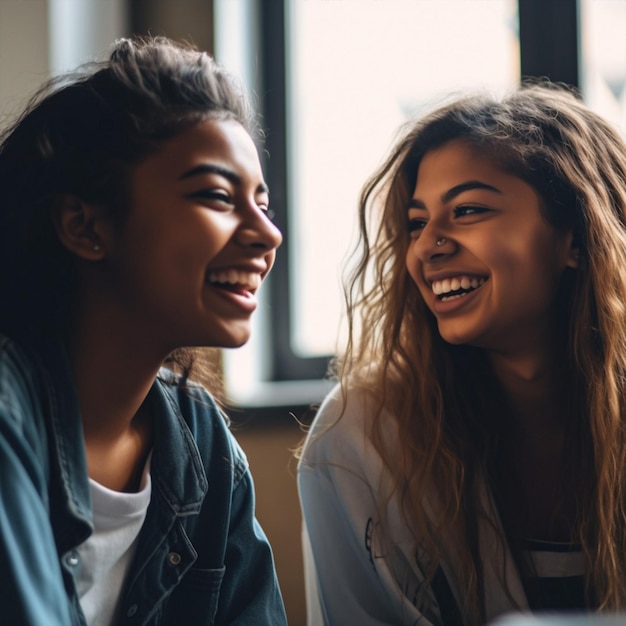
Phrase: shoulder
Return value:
(20, 381)
(195, 403)
(15, 363)
(341, 434)
(205, 421)
(24, 412)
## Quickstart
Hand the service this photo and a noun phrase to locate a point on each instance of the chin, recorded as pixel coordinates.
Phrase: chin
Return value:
(455, 341)
(233, 340)
(234, 344)
(457, 338)
(227, 335)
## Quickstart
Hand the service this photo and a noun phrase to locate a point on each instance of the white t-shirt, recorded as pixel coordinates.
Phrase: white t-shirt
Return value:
(104, 559)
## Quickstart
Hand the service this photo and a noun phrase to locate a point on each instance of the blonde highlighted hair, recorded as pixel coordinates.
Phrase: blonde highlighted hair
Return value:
(440, 394)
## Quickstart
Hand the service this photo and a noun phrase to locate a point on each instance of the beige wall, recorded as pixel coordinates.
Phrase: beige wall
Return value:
(24, 45)
(270, 453)
(39, 38)
(185, 20)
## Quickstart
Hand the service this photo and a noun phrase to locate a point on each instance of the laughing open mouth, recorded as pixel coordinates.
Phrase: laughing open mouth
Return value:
(457, 287)
(235, 280)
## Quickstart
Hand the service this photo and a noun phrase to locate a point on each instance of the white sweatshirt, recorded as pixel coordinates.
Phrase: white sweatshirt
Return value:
(355, 574)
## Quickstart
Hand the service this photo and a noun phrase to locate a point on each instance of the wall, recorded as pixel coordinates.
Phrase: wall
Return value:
(269, 444)
(185, 20)
(24, 44)
(39, 38)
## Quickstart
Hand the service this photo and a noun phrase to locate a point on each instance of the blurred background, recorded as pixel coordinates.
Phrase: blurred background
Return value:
(333, 80)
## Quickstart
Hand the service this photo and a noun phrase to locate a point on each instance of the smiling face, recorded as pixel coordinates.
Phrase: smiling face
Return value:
(485, 260)
(187, 262)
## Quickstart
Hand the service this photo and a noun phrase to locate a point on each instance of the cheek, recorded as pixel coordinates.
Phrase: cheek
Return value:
(270, 258)
(410, 261)
(527, 274)
(413, 267)
(200, 242)
(414, 270)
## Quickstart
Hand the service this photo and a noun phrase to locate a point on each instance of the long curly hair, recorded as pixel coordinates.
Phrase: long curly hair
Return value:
(82, 134)
(443, 397)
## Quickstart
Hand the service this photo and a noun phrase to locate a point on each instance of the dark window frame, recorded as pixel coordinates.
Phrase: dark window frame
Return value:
(549, 48)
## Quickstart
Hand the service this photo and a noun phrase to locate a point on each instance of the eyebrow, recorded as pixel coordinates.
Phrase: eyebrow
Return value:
(211, 168)
(452, 193)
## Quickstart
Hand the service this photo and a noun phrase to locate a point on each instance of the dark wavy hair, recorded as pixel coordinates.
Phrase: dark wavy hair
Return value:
(82, 134)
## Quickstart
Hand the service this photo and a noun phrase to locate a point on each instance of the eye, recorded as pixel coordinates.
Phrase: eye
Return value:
(216, 195)
(415, 226)
(268, 212)
(462, 211)
(263, 204)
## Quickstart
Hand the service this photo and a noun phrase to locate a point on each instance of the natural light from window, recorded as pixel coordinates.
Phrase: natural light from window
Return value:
(603, 58)
(357, 69)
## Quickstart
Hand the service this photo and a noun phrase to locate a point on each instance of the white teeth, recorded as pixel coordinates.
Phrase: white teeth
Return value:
(447, 285)
(251, 280)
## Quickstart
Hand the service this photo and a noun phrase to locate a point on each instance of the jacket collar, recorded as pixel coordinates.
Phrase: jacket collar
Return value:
(182, 484)
(177, 468)
(70, 496)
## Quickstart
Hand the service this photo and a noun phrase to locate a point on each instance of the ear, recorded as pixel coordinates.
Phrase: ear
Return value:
(81, 227)
(573, 251)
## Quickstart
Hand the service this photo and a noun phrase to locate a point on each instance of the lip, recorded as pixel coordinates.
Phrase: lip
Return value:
(431, 278)
(241, 298)
(229, 274)
(441, 307)
(241, 295)
(252, 268)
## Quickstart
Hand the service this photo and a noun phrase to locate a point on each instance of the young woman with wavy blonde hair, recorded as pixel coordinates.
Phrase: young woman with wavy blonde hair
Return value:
(471, 460)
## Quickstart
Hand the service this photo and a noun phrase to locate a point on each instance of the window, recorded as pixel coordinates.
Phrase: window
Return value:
(603, 58)
(335, 79)
(356, 70)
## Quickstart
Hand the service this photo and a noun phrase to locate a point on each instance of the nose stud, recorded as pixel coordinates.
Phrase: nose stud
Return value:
(440, 242)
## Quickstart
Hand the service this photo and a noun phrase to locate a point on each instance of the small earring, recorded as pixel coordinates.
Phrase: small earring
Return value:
(440, 242)
(96, 247)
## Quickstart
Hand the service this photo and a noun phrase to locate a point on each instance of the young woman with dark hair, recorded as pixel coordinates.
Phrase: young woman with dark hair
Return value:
(134, 223)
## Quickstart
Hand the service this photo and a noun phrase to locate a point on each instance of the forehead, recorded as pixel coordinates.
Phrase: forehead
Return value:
(219, 142)
(456, 159)
(457, 165)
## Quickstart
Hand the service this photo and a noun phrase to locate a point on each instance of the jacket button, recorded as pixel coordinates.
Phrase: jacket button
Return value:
(174, 558)
(132, 610)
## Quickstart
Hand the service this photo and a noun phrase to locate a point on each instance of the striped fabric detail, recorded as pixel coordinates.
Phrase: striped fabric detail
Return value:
(557, 581)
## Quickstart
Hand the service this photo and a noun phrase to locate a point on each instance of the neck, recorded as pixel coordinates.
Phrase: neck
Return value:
(112, 382)
(536, 494)
(113, 375)
(534, 388)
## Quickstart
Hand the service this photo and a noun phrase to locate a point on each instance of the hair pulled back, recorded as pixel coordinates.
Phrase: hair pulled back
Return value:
(81, 135)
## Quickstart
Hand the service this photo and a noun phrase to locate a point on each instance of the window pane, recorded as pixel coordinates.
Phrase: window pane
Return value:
(356, 70)
(603, 58)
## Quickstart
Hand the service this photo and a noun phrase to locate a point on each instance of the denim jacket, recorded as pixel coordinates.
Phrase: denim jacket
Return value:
(202, 557)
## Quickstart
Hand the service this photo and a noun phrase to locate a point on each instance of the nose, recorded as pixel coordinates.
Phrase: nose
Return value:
(432, 244)
(258, 231)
